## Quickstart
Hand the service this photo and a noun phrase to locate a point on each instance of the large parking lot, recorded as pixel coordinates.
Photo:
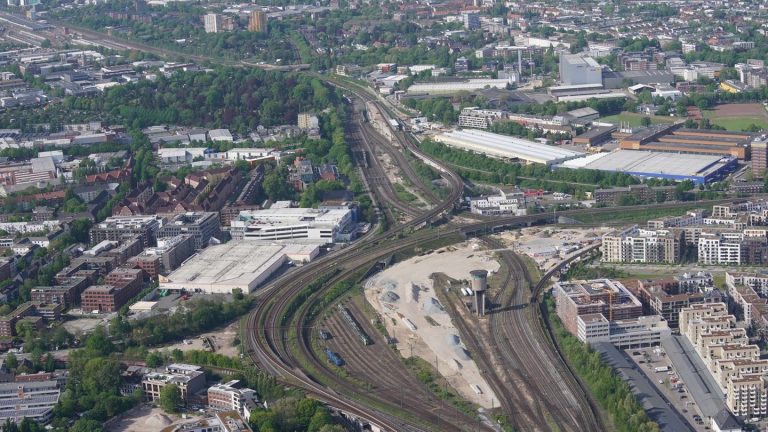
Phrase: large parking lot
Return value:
(658, 367)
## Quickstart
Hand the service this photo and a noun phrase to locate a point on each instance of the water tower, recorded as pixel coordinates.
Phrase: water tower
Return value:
(479, 285)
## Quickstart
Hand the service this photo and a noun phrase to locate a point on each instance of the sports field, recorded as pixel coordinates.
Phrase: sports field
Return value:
(738, 117)
(635, 119)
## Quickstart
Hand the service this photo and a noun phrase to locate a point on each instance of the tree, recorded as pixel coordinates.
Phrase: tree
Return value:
(11, 362)
(645, 121)
(84, 425)
(170, 398)
(101, 375)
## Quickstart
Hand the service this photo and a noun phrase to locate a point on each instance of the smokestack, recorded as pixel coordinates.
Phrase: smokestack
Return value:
(520, 63)
(479, 285)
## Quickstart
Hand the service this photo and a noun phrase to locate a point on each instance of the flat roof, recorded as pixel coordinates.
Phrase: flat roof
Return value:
(644, 162)
(240, 264)
(506, 146)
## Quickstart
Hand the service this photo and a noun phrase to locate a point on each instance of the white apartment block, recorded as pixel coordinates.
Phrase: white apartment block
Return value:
(291, 223)
(720, 249)
(733, 362)
(473, 117)
(641, 246)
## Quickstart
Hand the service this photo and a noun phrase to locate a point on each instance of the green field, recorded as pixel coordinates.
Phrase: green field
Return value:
(635, 119)
(736, 123)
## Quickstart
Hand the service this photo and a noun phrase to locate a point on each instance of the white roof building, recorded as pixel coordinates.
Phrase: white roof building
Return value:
(220, 135)
(504, 146)
(321, 226)
(219, 269)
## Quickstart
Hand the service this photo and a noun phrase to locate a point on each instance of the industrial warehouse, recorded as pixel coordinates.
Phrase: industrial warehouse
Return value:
(245, 265)
(672, 138)
(506, 147)
(699, 169)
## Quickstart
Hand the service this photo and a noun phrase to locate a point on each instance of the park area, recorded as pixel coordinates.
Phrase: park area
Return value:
(738, 117)
(635, 119)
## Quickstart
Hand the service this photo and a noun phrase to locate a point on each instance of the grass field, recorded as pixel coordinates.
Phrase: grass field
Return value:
(635, 119)
(737, 117)
(736, 123)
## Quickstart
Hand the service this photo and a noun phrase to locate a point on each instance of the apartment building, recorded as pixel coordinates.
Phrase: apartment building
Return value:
(668, 296)
(474, 117)
(642, 246)
(202, 226)
(732, 248)
(734, 363)
(693, 217)
(119, 228)
(513, 203)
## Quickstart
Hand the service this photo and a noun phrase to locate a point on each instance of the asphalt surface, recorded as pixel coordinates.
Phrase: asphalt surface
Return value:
(656, 406)
(694, 373)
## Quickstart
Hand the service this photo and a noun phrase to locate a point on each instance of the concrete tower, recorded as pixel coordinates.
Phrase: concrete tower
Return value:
(479, 285)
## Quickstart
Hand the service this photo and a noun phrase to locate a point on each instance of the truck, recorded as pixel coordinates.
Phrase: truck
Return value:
(661, 369)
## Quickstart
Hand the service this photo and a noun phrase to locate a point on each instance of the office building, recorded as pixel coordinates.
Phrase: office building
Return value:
(34, 400)
(190, 379)
(637, 332)
(32, 313)
(202, 226)
(229, 397)
(598, 296)
(579, 70)
(120, 286)
(636, 245)
(322, 226)
(258, 22)
(474, 117)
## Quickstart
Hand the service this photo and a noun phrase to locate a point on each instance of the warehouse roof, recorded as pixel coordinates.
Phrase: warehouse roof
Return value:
(506, 146)
(632, 161)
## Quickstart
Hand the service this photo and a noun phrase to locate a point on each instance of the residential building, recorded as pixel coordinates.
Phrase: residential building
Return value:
(668, 296)
(471, 21)
(308, 121)
(33, 313)
(202, 226)
(759, 156)
(258, 22)
(121, 285)
(733, 362)
(169, 254)
(212, 23)
(692, 217)
(473, 117)
(638, 193)
(118, 228)
(643, 246)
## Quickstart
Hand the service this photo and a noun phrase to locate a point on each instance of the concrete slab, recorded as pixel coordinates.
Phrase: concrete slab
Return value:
(656, 406)
(691, 369)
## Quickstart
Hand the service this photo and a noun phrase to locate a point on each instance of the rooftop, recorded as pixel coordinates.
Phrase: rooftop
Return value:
(506, 146)
(644, 163)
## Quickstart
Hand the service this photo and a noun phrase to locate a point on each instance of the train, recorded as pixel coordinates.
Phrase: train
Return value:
(334, 358)
(352, 322)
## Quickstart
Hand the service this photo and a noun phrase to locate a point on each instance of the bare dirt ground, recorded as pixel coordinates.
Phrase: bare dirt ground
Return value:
(222, 338)
(143, 418)
(740, 110)
(403, 295)
(548, 246)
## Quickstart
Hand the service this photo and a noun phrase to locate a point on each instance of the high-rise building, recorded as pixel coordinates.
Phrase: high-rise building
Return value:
(258, 22)
(212, 23)
(759, 156)
(471, 21)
